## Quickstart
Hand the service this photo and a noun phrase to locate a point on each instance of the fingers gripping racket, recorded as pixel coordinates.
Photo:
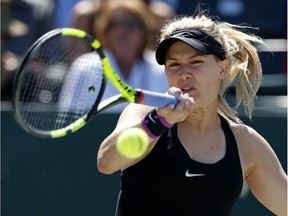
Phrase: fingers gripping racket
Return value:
(60, 83)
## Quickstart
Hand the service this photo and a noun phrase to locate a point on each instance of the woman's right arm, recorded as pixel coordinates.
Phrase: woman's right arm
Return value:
(109, 160)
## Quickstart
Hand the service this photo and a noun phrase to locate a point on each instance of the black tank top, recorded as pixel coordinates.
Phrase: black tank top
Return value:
(168, 182)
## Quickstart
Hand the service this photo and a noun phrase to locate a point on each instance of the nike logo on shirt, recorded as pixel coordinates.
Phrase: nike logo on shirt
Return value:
(187, 174)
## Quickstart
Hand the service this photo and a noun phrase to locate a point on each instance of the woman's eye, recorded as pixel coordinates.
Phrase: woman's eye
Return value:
(196, 62)
(173, 65)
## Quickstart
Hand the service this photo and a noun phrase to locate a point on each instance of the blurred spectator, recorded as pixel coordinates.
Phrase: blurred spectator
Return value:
(124, 28)
(17, 16)
(162, 12)
(37, 15)
(10, 28)
(84, 13)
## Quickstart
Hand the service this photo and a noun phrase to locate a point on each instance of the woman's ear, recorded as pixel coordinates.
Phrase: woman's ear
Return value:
(224, 66)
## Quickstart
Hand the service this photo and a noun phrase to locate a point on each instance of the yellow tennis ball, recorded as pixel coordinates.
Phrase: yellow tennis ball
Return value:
(132, 143)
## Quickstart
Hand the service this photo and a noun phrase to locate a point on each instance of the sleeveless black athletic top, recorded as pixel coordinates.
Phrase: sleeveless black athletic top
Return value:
(164, 184)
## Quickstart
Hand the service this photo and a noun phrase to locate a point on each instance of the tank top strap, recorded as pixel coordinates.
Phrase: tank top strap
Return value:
(231, 144)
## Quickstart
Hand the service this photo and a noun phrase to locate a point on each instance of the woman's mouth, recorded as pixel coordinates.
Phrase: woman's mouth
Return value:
(187, 89)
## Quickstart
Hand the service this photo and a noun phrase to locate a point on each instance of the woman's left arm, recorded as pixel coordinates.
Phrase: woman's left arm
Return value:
(265, 176)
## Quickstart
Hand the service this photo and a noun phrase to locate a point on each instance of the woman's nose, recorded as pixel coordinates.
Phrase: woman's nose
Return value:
(186, 73)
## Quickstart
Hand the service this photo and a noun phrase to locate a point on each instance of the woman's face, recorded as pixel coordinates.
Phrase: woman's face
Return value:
(194, 73)
(126, 34)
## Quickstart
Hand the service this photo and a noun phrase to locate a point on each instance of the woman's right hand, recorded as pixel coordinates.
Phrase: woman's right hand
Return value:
(173, 114)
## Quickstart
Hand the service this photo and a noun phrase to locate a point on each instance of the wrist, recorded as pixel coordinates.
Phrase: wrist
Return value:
(154, 124)
(163, 121)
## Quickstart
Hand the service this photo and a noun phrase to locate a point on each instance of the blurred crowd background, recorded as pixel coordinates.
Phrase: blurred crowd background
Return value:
(59, 177)
(24, 21)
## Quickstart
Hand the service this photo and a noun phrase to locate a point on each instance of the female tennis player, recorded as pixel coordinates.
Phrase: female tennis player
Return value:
(200, 152)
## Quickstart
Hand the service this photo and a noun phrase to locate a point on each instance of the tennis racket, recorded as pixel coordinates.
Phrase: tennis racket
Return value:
(60, 83)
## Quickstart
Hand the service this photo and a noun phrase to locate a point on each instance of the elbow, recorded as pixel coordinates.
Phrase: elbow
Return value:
(104, 167)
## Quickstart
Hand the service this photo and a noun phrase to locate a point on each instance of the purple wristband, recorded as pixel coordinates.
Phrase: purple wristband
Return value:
(163, 121)
(154, 124)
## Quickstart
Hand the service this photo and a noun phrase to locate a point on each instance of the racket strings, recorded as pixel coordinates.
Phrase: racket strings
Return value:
(64, 77)
(36, 95)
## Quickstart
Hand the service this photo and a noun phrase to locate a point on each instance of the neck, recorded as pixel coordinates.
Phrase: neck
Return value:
(201, 122)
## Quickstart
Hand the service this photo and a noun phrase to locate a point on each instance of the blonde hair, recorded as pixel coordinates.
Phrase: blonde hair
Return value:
(245, 67)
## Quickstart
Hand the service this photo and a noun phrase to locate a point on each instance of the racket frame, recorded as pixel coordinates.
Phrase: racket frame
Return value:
(128, 94)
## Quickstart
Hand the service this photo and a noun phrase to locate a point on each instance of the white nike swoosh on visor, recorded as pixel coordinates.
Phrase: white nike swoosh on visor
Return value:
(187, 174)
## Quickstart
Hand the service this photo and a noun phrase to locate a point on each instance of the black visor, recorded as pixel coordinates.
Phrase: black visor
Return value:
(200, 41)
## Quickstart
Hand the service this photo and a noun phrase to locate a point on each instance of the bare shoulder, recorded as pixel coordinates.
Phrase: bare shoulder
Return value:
(253, 148)
(248, 138)
(245, 133)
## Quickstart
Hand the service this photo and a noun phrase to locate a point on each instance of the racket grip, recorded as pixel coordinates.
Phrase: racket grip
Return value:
(156, 99)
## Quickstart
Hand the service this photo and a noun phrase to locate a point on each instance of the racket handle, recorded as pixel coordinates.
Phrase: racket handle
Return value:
(155, 99)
